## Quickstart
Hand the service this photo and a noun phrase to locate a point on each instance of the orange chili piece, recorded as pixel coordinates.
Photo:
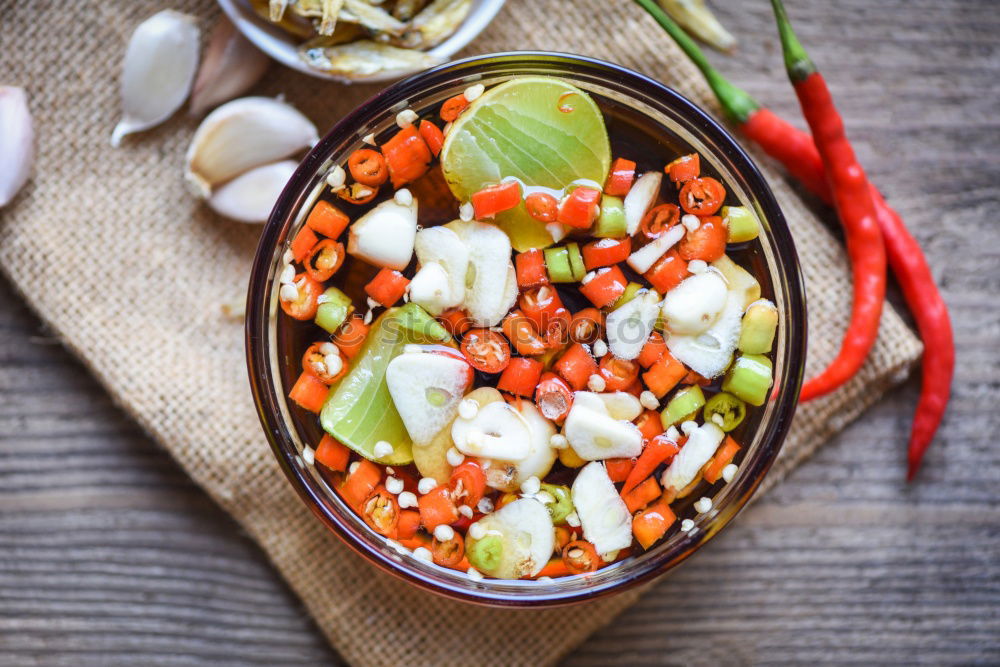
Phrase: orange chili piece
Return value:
(452, 107)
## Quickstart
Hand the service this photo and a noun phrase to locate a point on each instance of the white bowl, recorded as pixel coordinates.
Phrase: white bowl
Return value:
(283, 46)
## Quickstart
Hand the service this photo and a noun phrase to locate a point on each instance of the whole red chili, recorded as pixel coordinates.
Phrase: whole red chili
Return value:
(855, 207)
(797, 151)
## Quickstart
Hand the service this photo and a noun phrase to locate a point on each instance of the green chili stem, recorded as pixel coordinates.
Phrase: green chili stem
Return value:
(797, 61)
(736, 102)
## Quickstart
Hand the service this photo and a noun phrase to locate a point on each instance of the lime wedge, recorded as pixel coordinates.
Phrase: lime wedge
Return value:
(540, 130)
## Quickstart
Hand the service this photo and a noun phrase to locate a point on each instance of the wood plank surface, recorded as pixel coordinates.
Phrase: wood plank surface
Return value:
(109, 555)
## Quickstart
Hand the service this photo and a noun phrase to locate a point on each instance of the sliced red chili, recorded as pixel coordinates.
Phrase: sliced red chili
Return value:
(541, 305)
(315, 359)
(368, 166)
(707, 242)
(620, 177)
(305, 303)
(468, 483)
(452, 107)
(448, 553)
(542, 206)
(580, 208)
(357, 193)
(618, 373)
(659, 219)
(486, 350)
(325, 259)
(495, 199)
(586, 325)
(684, 169)
(581, 557)
(432, 136)
(554, 397)
(381, 511)
(702, 196)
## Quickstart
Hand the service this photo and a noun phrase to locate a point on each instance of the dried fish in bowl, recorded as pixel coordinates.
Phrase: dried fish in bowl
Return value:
(360, 38)
(364, 58)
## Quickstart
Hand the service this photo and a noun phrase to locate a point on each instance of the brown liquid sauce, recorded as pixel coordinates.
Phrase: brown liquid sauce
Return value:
(631, 136)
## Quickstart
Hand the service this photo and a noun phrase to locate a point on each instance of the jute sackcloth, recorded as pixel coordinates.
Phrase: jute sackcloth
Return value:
(130, 271)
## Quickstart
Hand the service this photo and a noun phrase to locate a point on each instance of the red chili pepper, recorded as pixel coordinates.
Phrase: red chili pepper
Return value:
(368, 167)
(605, 287)
(495, 199)
(542, 206)
(605, 252)
(797, 151)
(659, 219)
(702, 196)
(684, 168)
(387, 287)
(554, 397)
(530, 269)
(432, 136)
(855, 207)
(453, 106)
(486, 350)
(620, 177)
(521, 376)
(407, 156)
(580, 208)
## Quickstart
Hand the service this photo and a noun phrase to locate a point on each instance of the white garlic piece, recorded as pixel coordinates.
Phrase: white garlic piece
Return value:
(230, 67)
(250, 196)
(17, 142)
(244, 134)
(160, 64)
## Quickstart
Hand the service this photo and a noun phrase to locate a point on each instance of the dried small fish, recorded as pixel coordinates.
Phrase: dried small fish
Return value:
(404, 10)
(231, 66)
(365, 58)
(276, 9)
(438, 20)
(17, 142)
(160, 65)
(375, 19)
(290, 22)
(328, 21)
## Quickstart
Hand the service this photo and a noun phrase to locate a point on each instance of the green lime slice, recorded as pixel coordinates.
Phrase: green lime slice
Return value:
(541, 130)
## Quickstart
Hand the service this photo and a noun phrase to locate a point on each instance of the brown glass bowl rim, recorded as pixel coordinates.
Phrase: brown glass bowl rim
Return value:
(263, 385)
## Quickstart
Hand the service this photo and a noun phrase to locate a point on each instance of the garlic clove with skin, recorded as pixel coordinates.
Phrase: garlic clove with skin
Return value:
(160, 64)
(17, 142)
(244, 134)
(232, 64)
(250, 196)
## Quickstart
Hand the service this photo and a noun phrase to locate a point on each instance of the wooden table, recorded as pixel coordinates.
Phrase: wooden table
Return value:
(110, 555)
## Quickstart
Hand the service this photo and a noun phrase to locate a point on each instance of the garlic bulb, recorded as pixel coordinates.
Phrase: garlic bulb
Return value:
(250, 196)
(17, 142)
(244, 134)
(160, 64)
(230, 67)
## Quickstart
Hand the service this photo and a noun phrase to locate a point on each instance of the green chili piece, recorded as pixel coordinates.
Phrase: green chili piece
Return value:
(563, 505)
(576, 261)
(558, 265)
(741, 224)
(485, 554)
(611, 222)
(683, 406)
(731, 411)
(749, 378)
(334, 309)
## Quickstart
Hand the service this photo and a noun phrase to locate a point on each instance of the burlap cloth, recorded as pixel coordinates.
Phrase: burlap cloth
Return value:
(130, 271)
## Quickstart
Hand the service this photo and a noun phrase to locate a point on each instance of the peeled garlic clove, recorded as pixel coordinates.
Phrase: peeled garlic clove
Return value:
(17, 142)
(243, 134)
(230, 67)
(251, 196)
(160, 64)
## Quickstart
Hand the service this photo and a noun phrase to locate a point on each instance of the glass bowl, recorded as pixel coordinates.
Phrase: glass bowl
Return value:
(628, 92)
(284, 47)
